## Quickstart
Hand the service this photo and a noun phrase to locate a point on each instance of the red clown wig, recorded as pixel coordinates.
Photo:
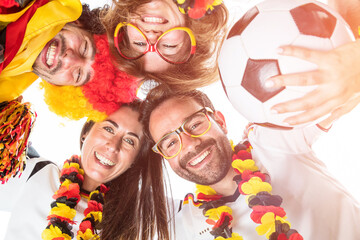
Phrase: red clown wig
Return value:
(102, 95)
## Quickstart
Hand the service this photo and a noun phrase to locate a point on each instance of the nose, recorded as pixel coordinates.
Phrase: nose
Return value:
(113, 145)
(189, 143)
(152, 35)
(70, 59)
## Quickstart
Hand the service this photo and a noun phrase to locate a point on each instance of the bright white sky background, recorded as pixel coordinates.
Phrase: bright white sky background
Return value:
(57, 139)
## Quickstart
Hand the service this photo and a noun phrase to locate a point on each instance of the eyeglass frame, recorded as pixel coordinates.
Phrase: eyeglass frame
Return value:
(153, 47)
(181, 129)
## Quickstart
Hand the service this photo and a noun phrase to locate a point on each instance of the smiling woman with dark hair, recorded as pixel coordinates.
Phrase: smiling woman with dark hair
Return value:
(114, 179)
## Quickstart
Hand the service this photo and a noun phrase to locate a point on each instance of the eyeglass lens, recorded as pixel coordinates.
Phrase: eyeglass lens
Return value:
(196, 126)
(174, 46)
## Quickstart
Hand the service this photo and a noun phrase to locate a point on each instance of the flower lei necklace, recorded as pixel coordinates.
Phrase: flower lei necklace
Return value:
(63, 208)
(196, 9)
(266, 209)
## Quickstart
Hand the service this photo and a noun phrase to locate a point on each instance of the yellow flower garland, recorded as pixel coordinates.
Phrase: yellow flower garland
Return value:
(266, 207)
(63, 208)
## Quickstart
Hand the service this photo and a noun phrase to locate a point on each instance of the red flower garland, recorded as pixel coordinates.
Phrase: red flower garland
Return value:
(197, 8)
(66, 198)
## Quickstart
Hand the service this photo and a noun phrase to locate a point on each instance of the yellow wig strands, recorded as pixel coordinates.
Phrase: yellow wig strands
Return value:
(69, 102)
(16, 122)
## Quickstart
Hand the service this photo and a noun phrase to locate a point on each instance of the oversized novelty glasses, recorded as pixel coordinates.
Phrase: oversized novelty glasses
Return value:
(196, 125)
(175, 46)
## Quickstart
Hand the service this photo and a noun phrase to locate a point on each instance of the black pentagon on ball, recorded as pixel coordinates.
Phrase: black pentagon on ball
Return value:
(243, 22)
(313, 20)
(255, 75)
(222, 83)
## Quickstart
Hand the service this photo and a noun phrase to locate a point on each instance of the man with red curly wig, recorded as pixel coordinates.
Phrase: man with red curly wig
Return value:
(47, 39)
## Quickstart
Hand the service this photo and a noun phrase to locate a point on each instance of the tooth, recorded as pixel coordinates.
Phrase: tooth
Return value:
(50, 55)
(153, 19)
(200, 158)
(104, 160)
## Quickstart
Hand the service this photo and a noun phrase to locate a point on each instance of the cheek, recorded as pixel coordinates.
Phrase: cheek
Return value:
(87, 148)
(174, 165)
(154, 63)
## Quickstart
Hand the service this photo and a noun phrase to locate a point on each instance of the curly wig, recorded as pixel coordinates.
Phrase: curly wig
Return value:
(101, 96)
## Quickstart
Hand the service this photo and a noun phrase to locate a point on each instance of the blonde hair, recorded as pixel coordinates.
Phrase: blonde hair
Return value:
(199, 71)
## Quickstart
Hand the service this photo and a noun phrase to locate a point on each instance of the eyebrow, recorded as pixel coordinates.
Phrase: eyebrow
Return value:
(117, 126)
(183, 120)
(112, 122)
(134, 135)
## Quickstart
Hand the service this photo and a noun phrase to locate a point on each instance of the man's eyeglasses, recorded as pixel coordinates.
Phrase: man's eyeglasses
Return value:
(175, 46)
(195, 126)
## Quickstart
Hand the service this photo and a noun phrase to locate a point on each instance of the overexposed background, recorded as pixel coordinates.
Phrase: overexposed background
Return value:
(57, 139)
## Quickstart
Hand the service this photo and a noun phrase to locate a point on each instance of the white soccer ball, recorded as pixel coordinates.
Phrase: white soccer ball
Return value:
(249, 54)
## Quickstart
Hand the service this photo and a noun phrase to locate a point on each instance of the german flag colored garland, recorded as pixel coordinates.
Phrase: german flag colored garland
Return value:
(197, 8)
(16, 122)
(266, 209)
(63, 208)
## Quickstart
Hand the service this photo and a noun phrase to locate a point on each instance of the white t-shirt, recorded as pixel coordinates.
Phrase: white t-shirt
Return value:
(28, 198)
(316, 204)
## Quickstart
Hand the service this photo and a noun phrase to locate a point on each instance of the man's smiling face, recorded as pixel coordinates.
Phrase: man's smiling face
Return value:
(204, 160)
(67, 58)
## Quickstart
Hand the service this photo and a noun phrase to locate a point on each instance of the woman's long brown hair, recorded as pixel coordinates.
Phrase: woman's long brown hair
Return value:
(135, 206)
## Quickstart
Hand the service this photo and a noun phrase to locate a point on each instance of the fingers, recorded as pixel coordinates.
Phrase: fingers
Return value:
(296, 79)
(310, 100)
(345, 108)
(338, 112)
(312, 107)
(310, 55)
(19, 99)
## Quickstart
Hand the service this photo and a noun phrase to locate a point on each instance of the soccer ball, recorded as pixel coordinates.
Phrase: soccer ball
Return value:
(249, 54)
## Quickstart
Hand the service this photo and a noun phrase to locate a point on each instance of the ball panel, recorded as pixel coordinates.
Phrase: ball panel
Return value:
(342, 34)
(255, 75)
(280, 5)
(240, 25)
(314, 20)
(232, 71)
(266, 33)
(313, 42)
(288, 93)
(288, 64)
(244, 102)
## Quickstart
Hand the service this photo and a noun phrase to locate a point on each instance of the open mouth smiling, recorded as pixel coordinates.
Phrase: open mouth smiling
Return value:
(151, 19)
(103, 160)
(52, 50)
(200, 158)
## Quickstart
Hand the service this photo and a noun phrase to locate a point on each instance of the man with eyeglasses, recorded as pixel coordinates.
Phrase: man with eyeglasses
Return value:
(235, 196)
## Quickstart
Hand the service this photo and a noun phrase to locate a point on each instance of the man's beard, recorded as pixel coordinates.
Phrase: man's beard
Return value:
(216, 169)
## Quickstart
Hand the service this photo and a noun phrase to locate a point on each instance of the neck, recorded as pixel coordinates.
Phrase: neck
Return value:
(227, 185)
(89, 184)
